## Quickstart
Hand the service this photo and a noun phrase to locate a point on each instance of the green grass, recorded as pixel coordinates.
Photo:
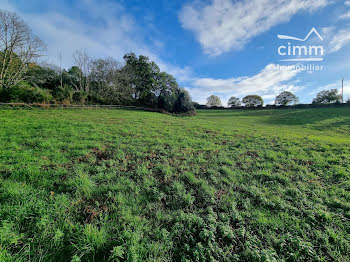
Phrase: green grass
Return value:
(118, 185)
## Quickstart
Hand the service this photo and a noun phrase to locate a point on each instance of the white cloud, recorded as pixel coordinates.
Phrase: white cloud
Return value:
(267, 83)
(335, 39)
(340, 39)
(347, 3)
(345, 16)
(224, 25)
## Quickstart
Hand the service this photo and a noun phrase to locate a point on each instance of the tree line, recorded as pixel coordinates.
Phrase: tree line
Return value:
(285, 98)
(135, 81)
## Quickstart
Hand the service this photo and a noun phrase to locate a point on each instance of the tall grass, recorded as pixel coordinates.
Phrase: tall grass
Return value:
(119, 185)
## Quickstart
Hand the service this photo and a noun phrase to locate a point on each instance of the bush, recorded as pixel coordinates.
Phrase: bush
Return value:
(149, 100)
(79, 97)
(183, 103)
(64, 94)
(3, 95)
(195, 104)
(25, 93)
(166, 101)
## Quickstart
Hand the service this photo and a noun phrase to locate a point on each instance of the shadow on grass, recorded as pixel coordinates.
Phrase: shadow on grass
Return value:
(318, 118)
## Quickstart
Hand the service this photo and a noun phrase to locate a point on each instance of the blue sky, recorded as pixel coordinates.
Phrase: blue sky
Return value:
(222, 47)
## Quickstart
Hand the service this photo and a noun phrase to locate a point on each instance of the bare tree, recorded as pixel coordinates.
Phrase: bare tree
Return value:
(105, 71)
(18, 47)
(84, 62)
(61, 70)
(111, 80)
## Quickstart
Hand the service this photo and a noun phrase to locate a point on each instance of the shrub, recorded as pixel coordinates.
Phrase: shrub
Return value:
(79, 97)
(183, 103)
(3, 95)
(149, 100)
(24, 92)
(195, 104)
(64, 94)
(166, 101)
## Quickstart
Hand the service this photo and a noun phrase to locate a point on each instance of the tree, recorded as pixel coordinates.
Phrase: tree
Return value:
(42, 76)
(183, 102)
(348, 101)
(83, 62)
(109, 82)
(143, 76)
(63, 94)
(327, 97)
(24, 92)
(213, 101)
(195, 104)
(104, 71)
(18, 48)
(285, 98)
(72, 77)
(167, 91)
(234, 102)
(253, 100)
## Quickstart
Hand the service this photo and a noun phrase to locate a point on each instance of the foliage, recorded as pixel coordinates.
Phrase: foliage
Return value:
(102, 81)
(109, 83)
(285, 98)
(195, 104)
(79, 97)
(42, 76)
(213, 101)
(82, 61)
(253, 100)
(327, 97)
(142, 77)
(11, 64)
(18, 48)
(168, 91)
(24, 92)
(72, 77)
(139, 82)
(119, 185)
(63, 94)
(234, 102)
(183, 102)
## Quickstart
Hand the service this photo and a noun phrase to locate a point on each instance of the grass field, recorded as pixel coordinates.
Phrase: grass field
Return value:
(118, 185)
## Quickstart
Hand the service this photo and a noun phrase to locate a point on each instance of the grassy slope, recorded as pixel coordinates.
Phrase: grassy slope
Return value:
(110, 185)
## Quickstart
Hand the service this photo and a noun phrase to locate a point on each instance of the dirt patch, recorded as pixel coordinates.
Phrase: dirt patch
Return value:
(99, 153)
(91, 209)
(220, 193)
(251, 153)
